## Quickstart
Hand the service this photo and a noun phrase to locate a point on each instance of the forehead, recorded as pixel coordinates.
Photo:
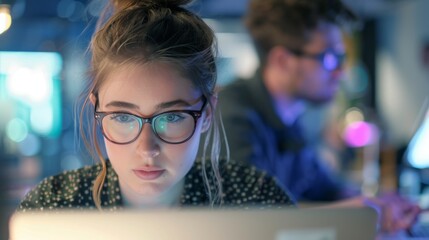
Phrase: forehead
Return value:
(146, 83)
(325, 36)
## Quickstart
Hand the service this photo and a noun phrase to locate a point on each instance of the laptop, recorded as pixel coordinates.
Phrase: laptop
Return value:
(178, 224)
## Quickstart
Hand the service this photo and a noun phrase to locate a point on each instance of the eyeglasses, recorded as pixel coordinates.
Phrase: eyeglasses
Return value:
(329, 59)
(172, 127)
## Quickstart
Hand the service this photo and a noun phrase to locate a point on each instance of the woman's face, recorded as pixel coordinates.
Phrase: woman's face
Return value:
(149, 167)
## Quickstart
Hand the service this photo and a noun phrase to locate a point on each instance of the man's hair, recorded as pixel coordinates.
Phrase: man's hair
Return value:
(289, 22)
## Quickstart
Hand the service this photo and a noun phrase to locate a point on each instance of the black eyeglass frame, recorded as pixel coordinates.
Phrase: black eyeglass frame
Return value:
(196, 114)
(319, 56)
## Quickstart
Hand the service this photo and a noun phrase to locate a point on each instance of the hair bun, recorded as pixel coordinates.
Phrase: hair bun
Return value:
(123, 4)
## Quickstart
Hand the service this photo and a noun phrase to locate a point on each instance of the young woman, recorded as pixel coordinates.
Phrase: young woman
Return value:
(152, 95)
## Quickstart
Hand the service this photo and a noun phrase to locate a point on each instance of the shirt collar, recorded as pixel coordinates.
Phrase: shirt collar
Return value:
(263, 102)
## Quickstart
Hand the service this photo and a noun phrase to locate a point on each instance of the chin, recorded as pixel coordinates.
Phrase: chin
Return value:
(150, 190)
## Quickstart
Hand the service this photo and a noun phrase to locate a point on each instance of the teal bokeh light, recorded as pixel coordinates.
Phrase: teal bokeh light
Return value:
(16, 130)
(31, 85)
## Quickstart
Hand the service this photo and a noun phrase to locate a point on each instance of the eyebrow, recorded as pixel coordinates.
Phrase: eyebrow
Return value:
(178, 102)
(121, 104)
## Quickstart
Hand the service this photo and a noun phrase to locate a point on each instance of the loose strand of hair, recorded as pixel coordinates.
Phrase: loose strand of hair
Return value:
(216, 192)
(99, 181)
(216, 153)
(204, 170)
(85, 121)
(222, 126)
(105, 15)
(215, 164)
(101, 177)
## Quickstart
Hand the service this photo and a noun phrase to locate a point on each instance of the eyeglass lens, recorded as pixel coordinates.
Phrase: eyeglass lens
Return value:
(171, 126)
(332, 61)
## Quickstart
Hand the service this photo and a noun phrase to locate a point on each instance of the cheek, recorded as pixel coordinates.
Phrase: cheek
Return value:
(306, 81)
(313, 80)
(115, 151)
(186, 152)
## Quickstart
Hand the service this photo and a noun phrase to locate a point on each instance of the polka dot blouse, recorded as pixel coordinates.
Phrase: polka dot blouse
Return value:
(243, 186)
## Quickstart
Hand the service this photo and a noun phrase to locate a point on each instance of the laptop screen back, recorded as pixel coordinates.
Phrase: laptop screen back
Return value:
(279, 224)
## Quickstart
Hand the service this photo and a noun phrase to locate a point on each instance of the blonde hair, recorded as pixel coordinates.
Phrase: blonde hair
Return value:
(140, 32)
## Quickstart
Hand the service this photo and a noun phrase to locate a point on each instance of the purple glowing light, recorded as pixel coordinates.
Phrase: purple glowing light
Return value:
(360, 134)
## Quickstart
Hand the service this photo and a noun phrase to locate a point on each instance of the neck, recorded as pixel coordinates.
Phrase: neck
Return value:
(288, 107)
(167, 199)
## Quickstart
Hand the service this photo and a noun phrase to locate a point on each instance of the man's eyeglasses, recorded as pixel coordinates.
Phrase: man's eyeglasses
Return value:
(329, 59)
(172, 127)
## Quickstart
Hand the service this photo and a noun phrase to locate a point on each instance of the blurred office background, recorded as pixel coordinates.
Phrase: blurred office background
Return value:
(363, 134)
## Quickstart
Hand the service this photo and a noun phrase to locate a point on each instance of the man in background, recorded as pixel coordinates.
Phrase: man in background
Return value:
(301, 53)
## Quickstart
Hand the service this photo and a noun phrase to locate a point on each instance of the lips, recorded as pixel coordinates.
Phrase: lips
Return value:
(148, 173)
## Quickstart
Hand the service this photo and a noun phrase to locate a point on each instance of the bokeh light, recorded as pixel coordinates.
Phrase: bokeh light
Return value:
(42, 119)
(356, 81)
(353, 115)
(70, 162)
(32, 85)
(5, 18)
(30, 146)
(360, 134)
(16, 130)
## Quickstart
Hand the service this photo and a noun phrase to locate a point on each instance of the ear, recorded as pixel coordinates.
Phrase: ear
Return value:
(92, 98)
(209, 113)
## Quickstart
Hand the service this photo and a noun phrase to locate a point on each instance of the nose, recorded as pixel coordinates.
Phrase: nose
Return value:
(148, 147)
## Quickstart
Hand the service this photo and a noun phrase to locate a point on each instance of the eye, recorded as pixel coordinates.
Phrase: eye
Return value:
(122, 117)
(172, 117)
